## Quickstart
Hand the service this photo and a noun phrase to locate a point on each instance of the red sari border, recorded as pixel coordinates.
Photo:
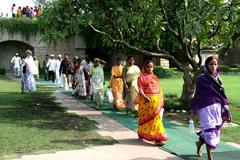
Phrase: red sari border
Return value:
(156, 138)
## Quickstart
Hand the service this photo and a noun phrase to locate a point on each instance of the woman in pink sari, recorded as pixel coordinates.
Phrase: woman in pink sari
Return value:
(150, 102)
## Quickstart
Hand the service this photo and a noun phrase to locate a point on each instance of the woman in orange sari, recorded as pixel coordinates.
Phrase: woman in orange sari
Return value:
(116, 83)
(150, 102)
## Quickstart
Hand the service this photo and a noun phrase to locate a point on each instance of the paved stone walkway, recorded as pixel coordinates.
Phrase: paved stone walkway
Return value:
(128, 148)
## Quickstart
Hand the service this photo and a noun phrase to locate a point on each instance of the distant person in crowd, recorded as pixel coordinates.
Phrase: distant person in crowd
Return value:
(15, 63)
(24, 12)
(27, 12)
(131, 73)
(59, 79)
(1, 14)
(51, 64)
(38, 11)
(30, 61)
(150, 102)
(65, 70)
(116, 83)
(80, 84)
(36, 62)
(31, 13)
(87, 64)
(73, 70)
(28, 83)
(97, 81)
(211, 106)
(45, 67)
(19, 12)
(14, 11)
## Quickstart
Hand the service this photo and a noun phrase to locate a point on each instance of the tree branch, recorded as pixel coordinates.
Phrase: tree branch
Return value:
(199, 53)
(161, 53)
(166, 19)
(157, 44)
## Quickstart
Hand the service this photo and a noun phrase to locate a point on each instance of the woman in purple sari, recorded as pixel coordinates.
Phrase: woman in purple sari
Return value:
(210, 104)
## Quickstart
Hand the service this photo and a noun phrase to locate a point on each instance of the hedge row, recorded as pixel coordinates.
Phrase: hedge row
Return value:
(230, 70)
(172, 102)
(2, 71)
(158, 71)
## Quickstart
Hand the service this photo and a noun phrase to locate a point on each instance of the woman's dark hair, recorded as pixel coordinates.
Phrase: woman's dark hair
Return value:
(118, 59)
(209, 59)
(147, 62)
(79, 60)
(129, 57)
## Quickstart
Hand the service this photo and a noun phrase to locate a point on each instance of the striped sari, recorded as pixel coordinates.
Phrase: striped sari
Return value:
(150, 126)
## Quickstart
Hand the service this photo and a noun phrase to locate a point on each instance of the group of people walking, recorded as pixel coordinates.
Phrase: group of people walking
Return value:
(142, 92)
(136, 91)
(133, 90)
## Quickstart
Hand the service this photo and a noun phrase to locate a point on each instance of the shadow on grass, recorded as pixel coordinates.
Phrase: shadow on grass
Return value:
(39, 110)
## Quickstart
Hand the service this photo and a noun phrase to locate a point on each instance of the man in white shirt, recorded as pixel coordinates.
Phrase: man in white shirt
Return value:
(51, 64)
(59, 79)
(15, 62)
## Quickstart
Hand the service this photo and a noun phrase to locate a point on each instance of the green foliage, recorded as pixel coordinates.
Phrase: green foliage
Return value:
(167, 73)
(23, 25)
(172, 102)
(173, 30)
(2, 71)
(230, 69)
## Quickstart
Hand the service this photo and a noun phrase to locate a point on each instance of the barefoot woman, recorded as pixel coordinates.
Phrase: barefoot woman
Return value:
(211, 105)
(150, 126)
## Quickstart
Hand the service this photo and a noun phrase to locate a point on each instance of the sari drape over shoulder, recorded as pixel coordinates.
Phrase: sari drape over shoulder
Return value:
(80, 84)
(150, 126)
(211, 105)
(131, 75)
(117, 86)
(97, 81)
(27, 80)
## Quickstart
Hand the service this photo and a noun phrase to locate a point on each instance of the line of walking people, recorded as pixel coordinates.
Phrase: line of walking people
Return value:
(143, 93)
(134, 90)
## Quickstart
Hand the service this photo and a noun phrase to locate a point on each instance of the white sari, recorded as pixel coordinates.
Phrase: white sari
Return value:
(97, 81)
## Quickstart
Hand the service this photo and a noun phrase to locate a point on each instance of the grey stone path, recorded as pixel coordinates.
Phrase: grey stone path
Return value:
(128, 148)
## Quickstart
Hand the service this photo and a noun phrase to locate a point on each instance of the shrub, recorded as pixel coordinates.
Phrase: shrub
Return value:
(167, 73)
(2, 71)
(172, 102)
(230, 70)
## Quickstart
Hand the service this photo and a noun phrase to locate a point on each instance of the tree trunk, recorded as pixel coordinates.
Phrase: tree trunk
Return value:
(189, 83)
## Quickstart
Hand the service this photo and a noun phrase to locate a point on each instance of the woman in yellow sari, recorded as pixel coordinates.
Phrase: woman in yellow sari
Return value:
(150, 102)
(116, 83)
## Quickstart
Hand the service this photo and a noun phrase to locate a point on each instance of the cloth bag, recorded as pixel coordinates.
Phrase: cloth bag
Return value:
(110, 95)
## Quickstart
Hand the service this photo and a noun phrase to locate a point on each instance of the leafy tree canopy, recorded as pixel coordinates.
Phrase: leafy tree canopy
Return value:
(163, 28)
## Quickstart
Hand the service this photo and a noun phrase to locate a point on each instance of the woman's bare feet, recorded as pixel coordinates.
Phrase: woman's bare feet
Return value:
(209, 153)
(199, 145)
(159, 143)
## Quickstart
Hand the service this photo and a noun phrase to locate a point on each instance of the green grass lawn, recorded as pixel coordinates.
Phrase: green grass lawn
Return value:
(232, 87)
(34, 123)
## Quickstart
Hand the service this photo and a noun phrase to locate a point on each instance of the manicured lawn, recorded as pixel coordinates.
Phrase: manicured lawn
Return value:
(232, 87)
(34, 123)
